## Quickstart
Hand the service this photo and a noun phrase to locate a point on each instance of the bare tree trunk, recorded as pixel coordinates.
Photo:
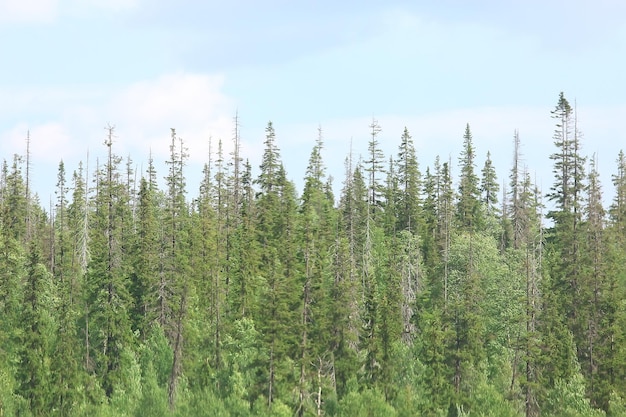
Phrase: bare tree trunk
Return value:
(270, 389)
(319, 389)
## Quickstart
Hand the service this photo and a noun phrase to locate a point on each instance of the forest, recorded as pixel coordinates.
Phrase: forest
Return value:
(417, 291)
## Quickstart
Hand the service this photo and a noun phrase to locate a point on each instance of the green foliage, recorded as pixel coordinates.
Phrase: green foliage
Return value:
(468, 205)
(489, 186)
(409, 204)
(37, 336)
(417, 296)
(617, 407)
(567, 399)
(369, 403)
(9, 402)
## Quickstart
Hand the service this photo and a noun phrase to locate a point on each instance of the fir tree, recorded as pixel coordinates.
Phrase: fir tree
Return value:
(489, 186)
(316, 229)
(174, 286)
(374, 167)
(409, 181)
(36, 341)
(109, 298)
(276, 227)
(149, 307)
(468, 205)
(567, 193)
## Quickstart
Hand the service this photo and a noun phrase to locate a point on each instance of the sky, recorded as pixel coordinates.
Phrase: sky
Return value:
(69, 68)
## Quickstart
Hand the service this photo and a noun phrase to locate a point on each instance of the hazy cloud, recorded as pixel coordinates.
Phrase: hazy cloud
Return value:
(193, 104)
(91, 7)
(45, 142)
(28, 11)
(142, 113)
(46, 11)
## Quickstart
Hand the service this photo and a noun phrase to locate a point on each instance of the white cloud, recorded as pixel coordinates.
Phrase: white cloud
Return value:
(438, 133)
(193, 104)
(22, 11)
(49, 142)
(114, 5)
(434, 134)
(45, 11)
(67, 124)
(91, 7)
(441, 134)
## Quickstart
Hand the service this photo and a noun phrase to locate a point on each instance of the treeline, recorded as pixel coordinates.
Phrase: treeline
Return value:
(408, 294)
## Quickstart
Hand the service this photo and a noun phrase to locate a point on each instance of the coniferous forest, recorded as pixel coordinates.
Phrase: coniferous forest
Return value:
(419, 290)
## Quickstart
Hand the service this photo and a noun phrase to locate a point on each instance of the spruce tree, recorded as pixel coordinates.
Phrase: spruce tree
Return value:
(149, 307)
(175, 283)
(107, 277)
(318, 223)
(67, 370)
(409, 182)
(593, 292)
(276, 234)
(617, 210)
(559, 319)
(15, 203)
(12, 261)
(565, 247)
(489, 186)
(246, 251)
(468, 206)
(445, 213)
(374, 167)
(37, 330)
(515, 209)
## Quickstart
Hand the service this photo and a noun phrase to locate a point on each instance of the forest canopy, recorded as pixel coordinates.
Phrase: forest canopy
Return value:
(417, 290)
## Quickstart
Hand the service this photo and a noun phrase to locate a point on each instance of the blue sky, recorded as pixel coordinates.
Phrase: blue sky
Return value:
(69, 67)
